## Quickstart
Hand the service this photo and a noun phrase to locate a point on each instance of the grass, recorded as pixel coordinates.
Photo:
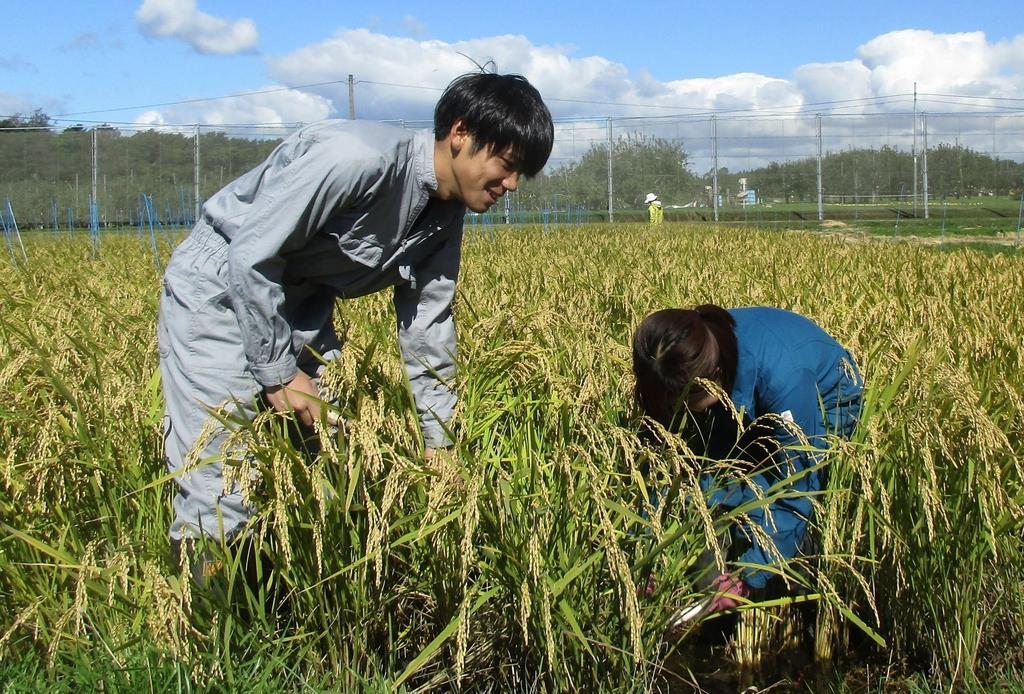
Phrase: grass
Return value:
(513, 561)
(964, 216)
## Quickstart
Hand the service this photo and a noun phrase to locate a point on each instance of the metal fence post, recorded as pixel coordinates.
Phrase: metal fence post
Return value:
(714, 164)
(611, 212)
(821, 193)
(195, 158)
(924, 162)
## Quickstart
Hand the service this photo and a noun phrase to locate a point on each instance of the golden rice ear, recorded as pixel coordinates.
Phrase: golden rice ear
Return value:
(716, 389)
(529, 542)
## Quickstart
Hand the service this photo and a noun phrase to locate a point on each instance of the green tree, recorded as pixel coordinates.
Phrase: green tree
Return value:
(640, 165)
(866, 174)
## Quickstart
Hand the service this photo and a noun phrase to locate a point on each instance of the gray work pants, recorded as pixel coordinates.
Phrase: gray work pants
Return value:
(203, 366)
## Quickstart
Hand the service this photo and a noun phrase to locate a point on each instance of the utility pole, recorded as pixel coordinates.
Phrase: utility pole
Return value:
(821, 192)
(95, 200)
(924, 162)
(351, 98)
(714, 164)
(195, 164)
(611, 212)
(914, 149)
(995, 164)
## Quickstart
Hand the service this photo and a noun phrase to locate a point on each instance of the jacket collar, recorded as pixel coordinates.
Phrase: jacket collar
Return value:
(423, 153)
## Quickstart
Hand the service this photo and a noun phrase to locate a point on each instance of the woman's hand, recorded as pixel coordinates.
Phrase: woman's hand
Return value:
(730, 592)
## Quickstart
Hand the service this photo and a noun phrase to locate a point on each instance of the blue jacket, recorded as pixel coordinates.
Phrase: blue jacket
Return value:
(790, 367)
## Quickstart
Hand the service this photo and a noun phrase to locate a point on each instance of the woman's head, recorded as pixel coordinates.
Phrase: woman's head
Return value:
(672, 348)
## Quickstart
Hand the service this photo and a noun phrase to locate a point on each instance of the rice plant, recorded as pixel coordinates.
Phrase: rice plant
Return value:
(514, 560)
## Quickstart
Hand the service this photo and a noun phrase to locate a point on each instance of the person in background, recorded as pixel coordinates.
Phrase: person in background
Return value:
(339, 209)
(787, 378)
(655, 211)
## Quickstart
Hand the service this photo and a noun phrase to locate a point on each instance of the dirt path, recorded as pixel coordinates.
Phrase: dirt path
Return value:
(856, 234)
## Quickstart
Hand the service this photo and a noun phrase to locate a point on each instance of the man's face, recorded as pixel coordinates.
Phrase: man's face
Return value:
(483, 176)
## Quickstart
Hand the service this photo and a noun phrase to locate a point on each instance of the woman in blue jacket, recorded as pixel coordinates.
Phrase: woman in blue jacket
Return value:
(770, 362)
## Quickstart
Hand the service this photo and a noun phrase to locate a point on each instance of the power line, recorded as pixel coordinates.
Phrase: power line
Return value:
(132, 125)
(580, 125)
(837, 107)
(404, 86)
(237, 95)
(989, 106)
(974, 96)
(203, 99)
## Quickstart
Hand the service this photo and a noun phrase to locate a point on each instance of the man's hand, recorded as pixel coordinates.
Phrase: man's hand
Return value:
(438, 455)
(300, 395)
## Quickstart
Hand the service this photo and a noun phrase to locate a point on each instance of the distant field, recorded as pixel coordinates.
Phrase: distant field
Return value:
(985, 216)
(1002, 212)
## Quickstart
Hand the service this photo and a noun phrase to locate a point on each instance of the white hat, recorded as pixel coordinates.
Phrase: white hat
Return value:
(651, 197)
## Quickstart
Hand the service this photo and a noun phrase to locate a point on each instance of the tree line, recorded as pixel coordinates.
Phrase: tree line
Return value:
(867, 174)
(43, 169)
(642, 165)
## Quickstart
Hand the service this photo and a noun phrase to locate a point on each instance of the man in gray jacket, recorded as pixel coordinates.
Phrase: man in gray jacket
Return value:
(339, 209)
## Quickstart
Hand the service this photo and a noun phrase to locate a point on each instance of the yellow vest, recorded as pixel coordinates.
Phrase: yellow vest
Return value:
(656, 212)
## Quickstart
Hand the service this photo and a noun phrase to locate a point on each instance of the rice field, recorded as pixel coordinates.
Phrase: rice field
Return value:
(513, 561)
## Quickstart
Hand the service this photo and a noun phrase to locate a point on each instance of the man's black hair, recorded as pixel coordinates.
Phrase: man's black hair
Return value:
(499, 111)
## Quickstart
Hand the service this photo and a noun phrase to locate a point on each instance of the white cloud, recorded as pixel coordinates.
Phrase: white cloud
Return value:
(423, 68)
(1010, 54)
(402, 78)
(181, 19)
(154, 118)
(937, 62)
(739, 92)
(270, 106)
(760, 117)
(649, 87)
(820, 83)
(593, 85)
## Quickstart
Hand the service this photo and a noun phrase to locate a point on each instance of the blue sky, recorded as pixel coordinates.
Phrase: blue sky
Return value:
(588, 59)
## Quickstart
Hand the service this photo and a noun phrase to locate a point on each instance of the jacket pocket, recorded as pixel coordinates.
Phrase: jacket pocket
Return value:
(355, 239)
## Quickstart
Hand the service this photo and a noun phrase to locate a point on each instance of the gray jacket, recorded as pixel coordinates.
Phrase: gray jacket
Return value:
(340, 209)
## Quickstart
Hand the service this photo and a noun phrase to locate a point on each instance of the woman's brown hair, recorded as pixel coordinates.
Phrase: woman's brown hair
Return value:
(674, 346)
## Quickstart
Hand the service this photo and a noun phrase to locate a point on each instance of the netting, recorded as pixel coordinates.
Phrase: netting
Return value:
(702, 164)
